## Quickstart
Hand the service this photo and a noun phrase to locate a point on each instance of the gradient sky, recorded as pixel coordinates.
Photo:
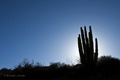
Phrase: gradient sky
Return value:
(46, 30)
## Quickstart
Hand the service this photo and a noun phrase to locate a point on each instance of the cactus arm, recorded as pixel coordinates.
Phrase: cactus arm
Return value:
(91, 44)
(87, 44)
(96, 50)
(83, 39)
(84, 45)
(91, 40)
(80, 50)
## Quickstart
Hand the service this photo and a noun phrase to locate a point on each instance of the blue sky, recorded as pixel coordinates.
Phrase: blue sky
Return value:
(46, 30)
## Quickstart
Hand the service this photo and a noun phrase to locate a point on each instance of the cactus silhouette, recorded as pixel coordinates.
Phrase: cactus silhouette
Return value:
(86, 47)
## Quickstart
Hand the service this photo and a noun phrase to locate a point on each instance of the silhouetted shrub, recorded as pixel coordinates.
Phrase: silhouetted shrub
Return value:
(25, 64)
(37, 64)
(5, 70)
(58, 65)
(108, 60)
(108, 64)
(55, 65)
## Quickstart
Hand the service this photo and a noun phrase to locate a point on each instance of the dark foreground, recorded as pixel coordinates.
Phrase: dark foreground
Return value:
(107, 68)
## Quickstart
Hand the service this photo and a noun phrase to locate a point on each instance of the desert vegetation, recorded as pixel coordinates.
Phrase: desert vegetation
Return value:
(107, 68)
(90, 66)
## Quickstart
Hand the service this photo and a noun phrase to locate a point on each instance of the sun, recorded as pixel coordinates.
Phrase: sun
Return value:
(72, 51)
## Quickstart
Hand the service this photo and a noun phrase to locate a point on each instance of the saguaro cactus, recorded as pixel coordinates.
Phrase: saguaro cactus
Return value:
(86, 47)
